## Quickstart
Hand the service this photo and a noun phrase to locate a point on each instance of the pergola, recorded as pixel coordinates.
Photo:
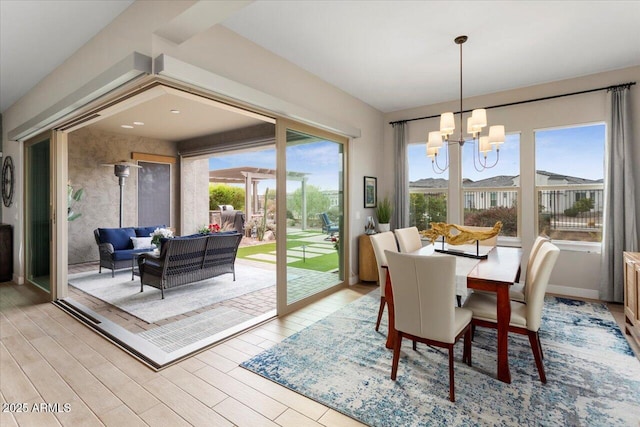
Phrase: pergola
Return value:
(250, 176)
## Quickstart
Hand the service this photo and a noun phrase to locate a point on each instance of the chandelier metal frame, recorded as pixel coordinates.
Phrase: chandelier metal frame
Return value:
(475, 123)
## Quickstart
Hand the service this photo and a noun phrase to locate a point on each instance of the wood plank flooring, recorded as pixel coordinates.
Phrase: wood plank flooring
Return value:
(46, 356)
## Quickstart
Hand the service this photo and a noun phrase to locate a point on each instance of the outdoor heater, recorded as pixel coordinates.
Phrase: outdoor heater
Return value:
(122, 170)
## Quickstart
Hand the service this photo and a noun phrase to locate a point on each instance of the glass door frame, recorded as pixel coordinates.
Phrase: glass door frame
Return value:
(282, 125)
(57, 212)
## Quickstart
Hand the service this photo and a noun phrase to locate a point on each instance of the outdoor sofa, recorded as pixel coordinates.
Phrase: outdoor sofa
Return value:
(189, 259)
(118, 245)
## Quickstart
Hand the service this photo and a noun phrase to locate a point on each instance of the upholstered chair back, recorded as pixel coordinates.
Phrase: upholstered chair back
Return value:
(541, 269)
(424, 289)
(382, 242)
(408, 239)
(534, 252)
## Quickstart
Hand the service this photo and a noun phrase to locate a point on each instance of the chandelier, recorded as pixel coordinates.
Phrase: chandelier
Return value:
(478, 120)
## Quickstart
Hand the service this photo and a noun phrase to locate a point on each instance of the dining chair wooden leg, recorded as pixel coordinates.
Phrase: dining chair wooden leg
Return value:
(452, 393)
(466, 354)
(396, 355)
(383, 301)
(459, 299)
(537, 355)
(414, 345)
(540, 346)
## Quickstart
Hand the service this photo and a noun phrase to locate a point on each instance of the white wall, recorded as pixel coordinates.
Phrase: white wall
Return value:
(576, 273)
(220, 51)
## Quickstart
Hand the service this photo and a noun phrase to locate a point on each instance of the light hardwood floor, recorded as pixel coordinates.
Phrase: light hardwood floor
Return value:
(46, 356)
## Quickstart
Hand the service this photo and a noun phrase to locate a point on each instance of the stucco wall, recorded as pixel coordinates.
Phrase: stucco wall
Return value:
(88, 150)
(195, 195)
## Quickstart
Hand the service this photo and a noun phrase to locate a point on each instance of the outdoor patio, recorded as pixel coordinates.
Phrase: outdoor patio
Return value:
(311, 267)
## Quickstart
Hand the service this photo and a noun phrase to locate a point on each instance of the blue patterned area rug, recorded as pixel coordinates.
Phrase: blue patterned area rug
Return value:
(593, 376)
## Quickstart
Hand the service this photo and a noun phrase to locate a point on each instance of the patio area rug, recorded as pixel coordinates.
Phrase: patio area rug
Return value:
(593, 376)
(125, 293)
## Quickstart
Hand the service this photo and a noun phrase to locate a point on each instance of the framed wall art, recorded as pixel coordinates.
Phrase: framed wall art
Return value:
(370, 192)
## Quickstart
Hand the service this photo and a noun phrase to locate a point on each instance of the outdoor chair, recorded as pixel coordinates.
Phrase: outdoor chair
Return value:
(328, 227)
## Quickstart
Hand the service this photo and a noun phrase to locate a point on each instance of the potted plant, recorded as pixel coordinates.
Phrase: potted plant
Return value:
(383, 213)
(72, 198)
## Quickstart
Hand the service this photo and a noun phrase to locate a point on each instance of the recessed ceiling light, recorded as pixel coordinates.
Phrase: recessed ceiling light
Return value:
(175, 111)
(138, 123)
(126, 126)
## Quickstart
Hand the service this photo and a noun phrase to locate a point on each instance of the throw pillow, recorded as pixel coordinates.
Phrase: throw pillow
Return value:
(141, 242)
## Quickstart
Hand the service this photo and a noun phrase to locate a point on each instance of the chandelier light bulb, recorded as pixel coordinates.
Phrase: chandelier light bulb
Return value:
(432, 152)
(435, 140)
(479, 117)
(475, 123)
(447, 124)
(496, 135)
(485, 147)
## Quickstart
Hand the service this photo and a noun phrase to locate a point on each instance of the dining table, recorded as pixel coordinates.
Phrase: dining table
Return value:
(495, 273)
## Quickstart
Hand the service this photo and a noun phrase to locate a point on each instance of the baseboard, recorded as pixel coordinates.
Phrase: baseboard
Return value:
(570, 291)
(18, 280)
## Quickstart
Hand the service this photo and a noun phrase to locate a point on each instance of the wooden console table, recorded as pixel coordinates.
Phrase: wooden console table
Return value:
(367, 266)
(632, 295)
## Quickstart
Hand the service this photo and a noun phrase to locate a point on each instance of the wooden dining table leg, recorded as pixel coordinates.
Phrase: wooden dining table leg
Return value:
(504, 317)
(388, 294)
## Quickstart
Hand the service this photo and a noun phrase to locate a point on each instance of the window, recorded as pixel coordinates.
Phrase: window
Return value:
(569, 182)
(503, 178)
(427, 190)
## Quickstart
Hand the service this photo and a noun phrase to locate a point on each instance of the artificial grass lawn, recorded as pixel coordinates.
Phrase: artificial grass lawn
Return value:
(326, 262)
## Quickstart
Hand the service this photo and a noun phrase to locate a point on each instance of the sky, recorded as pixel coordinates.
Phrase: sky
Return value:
(320, 160)
(573, 151)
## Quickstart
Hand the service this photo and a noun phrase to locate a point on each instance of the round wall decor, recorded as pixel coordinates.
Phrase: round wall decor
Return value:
(8, 181)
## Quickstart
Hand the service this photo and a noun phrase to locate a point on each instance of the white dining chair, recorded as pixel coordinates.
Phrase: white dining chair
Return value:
(526, 317)
(408, 239)
(382, 242)
(517, 290)
(423, 288)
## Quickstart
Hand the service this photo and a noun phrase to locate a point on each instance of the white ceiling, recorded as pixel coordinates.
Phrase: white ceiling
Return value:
(390, 54)
(153, 108)
(400, 54)
(38, 36)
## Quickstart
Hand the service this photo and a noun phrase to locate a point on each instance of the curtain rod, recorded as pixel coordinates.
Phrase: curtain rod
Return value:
(525, 102)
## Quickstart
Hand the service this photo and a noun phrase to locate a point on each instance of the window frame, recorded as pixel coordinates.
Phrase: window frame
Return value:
(510, 241)
(569, 245)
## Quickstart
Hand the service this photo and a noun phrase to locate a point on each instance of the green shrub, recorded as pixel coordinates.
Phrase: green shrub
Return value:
(572, 212)
(489, 217)
(224, 194)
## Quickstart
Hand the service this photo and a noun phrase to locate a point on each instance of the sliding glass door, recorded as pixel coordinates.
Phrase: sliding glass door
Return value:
(45, 234)
(311, 194)
(38, 226)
